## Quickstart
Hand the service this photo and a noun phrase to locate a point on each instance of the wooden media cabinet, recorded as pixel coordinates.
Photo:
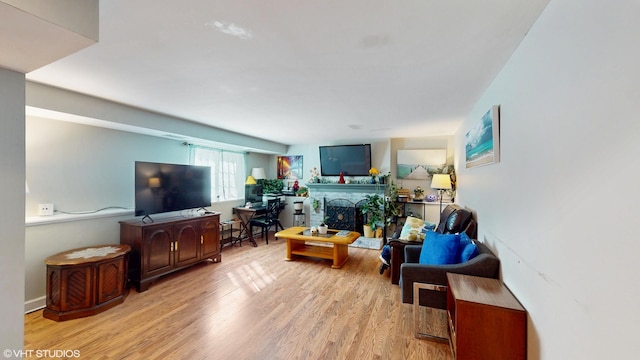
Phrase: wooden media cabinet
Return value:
(168, 245)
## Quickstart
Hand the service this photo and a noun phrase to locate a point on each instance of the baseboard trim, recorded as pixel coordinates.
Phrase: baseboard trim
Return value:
(35, 304)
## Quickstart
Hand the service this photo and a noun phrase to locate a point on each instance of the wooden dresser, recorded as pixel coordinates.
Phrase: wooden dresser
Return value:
(485, 320)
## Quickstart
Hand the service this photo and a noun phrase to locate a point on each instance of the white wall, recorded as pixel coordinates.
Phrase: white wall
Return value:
(81, 168)
(560, 206)
(12, 100)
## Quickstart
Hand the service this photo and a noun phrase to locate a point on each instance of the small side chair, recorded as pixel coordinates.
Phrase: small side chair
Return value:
(269, 219)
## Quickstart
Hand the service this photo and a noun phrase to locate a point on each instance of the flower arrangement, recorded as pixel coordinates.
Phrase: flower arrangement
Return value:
(374, 174)
(315, 175)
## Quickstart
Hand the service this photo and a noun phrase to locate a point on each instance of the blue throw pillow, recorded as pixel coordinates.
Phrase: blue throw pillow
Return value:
(468, 250)
(440, 249)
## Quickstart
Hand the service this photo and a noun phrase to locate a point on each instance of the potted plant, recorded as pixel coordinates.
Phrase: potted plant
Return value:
(373, 209)
(315, 175)
(418, 193)
(271, 186)
(322, 228)
(373, 172)
(391, 207)
(302, 191)
(383, 179)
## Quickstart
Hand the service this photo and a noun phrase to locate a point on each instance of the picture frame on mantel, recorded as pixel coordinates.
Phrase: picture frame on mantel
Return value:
(482, 142)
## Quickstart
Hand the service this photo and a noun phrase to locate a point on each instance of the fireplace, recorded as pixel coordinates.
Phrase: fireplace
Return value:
(343, 214)
(339, 206)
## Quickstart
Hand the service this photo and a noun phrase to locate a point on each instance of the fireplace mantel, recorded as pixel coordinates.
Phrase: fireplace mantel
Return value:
(347, 188)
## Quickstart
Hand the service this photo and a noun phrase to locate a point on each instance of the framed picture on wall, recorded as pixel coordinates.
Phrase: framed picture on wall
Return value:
(420, 164)
(482, 142)
(290, 167)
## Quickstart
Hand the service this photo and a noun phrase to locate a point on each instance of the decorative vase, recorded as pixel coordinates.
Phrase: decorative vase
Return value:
(373, 179)
(322, 229)
(341, 180)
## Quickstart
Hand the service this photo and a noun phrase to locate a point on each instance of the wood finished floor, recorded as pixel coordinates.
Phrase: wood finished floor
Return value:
(252, 305)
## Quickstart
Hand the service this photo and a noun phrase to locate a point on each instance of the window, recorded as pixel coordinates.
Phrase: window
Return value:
(227, 171)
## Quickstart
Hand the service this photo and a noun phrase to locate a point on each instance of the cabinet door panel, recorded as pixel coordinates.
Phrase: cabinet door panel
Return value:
(156, 252)
(76, 289)
(210, 238)
(188, 242)
(110, 284)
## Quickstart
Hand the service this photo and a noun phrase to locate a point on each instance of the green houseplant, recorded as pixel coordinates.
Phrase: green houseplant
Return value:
(391, 206)
(323, 227)
(271, 186)
(373, 209)
(418, 193)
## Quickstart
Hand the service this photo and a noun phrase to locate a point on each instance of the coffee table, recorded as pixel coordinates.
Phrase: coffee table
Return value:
(299, 236)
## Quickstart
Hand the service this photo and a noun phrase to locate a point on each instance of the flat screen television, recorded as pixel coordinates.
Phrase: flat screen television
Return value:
(352, 160)
(161, 188)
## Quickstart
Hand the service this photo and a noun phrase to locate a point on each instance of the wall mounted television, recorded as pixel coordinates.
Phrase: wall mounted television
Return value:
(351, 160)
(161, 188)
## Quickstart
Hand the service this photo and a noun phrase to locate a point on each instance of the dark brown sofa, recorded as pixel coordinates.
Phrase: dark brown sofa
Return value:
(454, 219)
(485, 264)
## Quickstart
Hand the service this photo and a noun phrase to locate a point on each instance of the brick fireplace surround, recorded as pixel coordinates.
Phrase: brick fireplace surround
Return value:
(351, 192)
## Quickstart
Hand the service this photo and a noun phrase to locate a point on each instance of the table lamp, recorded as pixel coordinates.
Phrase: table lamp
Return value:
(258, 173)
(441, 182)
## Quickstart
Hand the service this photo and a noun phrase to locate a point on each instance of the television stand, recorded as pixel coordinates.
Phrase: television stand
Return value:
(169, 245)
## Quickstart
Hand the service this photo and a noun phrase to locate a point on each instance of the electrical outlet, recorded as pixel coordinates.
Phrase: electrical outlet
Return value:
(45, 209)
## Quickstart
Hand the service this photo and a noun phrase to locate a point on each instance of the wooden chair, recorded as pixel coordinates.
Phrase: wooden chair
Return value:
(269, 219)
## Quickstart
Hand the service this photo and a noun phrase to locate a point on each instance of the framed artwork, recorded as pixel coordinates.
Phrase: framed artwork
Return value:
(482, 142)
(290, 167)
(420, 164)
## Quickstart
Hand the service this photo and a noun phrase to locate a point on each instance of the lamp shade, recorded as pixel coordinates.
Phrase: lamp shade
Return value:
(258, 173)
(250, 180)
(441, 181)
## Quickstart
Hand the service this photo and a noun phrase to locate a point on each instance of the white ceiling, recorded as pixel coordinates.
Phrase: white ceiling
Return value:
(300, 72)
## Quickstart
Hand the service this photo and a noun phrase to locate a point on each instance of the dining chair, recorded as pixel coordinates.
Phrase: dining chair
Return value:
(269, 219)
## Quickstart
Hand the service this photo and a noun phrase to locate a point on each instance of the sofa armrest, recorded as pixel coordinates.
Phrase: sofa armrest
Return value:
(411, 273)
(397, 257)
(483, 265)
(412, 253)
